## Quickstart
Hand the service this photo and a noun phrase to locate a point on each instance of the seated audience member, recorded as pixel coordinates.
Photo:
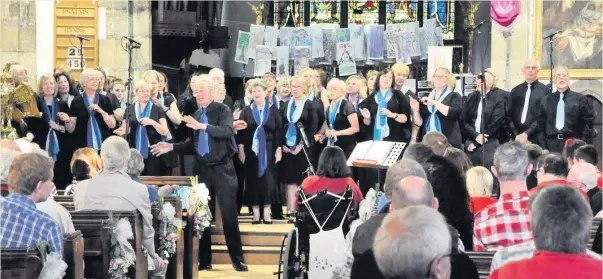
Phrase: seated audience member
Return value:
(553, 170)
(23, 225)
(85, 163)
(561, 222)
(413, 243)
(450, 188)
(568, 150)
(586, 175)
(534, 153)
(589, 154)
(332, 174)
(58, 213)
(506, 222)
(459, 158)
(409, 191)
(135, 168)
(479, 185)
(417, 152)
(395, 173)
(437, 141)
(6, 159)
(113, 189)
(527, 249)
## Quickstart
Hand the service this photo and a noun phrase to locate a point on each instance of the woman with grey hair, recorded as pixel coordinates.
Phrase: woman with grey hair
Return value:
(259, 150)
(135, 168)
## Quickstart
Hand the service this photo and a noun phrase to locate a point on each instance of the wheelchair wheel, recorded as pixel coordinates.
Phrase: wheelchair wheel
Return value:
(290, 264)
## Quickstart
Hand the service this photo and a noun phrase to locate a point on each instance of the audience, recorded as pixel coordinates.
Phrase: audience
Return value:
(417, 152)
(561, 222)
(23, 225)
(589, 154)
(479, 186)
(553, 170)
(6, 158)
(437, 141)
(459, 158)
(506, 222)
(113, 189)
(413, 243)
(81, 173)
(534, 153)
(135, 168)
(85, 163)
(568, 150)
(586, 175)
(450, 189)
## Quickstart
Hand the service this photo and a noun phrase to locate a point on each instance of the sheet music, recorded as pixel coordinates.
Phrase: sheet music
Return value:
(371, 151)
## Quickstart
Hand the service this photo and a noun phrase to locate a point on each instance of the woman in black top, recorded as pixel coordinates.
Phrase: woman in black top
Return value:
(385, 111)
(90, 118)
(66, 92)
(444, 107)
(341, 125)
(154, 127)
(294, 164)
(260, 148)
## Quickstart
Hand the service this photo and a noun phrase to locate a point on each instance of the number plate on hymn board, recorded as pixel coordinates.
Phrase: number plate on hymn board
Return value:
(74, 63)
(73, 52)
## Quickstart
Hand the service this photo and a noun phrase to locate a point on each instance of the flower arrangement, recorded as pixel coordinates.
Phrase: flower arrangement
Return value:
(200, 207)
(54, 266)
(123, 255)
(168, 230)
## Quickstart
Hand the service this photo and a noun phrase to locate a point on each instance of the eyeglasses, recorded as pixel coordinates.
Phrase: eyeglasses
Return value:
(530, 67)
(432, 261)
(561, 75)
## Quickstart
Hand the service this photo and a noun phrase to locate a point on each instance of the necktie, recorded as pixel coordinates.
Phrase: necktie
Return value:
(560, 119)
(203, 144)
(526, 104)
(478, 119)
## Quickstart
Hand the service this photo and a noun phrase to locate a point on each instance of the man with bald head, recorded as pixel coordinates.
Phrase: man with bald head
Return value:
(524, 104)
(586, 175)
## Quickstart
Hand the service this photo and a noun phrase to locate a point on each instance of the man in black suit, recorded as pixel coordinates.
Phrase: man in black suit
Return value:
(524, 104)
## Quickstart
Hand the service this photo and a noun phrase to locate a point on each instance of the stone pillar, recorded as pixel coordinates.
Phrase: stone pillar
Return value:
(18, 33)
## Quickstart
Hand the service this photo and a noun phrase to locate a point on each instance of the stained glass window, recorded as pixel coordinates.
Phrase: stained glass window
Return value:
(324, 11)
(443, 11)
(288, 13)
(401, 11)
(363, 12)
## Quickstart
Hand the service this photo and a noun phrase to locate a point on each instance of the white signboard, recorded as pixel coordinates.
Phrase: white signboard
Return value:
(74, 63)
(73, 52)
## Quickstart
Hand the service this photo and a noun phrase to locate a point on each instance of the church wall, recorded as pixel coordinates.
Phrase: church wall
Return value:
(18, 33)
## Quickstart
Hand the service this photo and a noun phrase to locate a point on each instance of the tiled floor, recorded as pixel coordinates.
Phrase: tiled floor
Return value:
(223, 271)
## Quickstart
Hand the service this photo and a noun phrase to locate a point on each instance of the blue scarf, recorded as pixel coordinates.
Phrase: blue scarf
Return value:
(433, 122)
(332, 114)
(161, 98)
(381, 128)
(52, 143)
(94, 138)
(142, 138)
(357, 102)
(259, 137)
(275, 101)
(203, 140)
(293, 114)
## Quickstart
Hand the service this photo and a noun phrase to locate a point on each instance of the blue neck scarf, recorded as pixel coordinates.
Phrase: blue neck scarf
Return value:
(94, 138)
(203, 140)
(433, 122)
(381, 128)
(259, 137)
(52, 143)
(357, 101)
(142, 139)
(161, 98)
(294, 112)
(333, 110)
(276, 102)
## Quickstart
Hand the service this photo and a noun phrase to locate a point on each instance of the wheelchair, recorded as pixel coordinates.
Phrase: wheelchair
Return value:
(327, 206)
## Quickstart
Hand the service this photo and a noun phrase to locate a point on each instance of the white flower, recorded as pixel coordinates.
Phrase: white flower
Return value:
(202, 193)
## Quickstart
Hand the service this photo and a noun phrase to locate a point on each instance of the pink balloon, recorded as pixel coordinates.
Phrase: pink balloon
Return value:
(504, 12)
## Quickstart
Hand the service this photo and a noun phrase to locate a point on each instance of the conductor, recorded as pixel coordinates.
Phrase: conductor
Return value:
(211, 139)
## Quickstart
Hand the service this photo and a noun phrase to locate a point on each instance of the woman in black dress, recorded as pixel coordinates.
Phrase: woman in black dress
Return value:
(90, 118)
(66, 92)
(443, 108)
(147, 125)
(260, 148)
(341, 125)
(295, 164)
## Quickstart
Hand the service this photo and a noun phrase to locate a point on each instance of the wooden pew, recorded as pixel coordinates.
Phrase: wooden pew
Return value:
(593, 232)
(73, 254)
(96, 228)
(190, 241)
(483, 262)
(20, 263)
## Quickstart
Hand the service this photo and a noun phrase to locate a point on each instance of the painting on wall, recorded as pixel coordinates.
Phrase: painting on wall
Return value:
(242, 51)
(579, 45)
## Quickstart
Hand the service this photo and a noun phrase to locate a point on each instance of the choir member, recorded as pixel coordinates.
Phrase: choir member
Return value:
(401, 72)
(239, 105)
(90, 115)
(385, 112)
(294, 164)
(342, 120)
(118, 89)
(565, 114)
(211, 139)
(283, 90)
(66, 90)
(163, 85)
(443, 108)
(524, 104)
(260, 148)
(481, 120)
(145, 125)
(371, 77)
(270, 80)
(103, 87)
(18, 74)
(356, 90)
(319, 102)
(218, 76)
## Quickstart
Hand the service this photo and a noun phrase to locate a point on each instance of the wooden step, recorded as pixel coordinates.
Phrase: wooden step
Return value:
(254, 255)
(256, 235)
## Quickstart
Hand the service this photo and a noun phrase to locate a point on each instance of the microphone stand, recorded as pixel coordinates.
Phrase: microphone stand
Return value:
(81, 54)
(131, 48)
(550, 86)
(310, 169)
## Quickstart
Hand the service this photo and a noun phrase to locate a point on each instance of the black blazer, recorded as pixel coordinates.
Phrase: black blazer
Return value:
(515, 108)
(449, 123)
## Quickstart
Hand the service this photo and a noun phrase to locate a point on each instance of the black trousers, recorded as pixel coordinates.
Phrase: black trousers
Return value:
(222, 183)
(555, 145)
(240, 170)
(484, 155)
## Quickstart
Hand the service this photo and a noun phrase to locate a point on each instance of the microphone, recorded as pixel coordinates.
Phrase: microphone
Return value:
(132, 41)
(80, 37)
(478, 25)
(551, 35)
(303, 134)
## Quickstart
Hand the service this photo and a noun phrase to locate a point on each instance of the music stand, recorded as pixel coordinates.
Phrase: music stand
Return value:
(376, 155)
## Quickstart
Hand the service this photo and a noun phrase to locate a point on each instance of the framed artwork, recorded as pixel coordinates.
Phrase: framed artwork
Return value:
(578, 46)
